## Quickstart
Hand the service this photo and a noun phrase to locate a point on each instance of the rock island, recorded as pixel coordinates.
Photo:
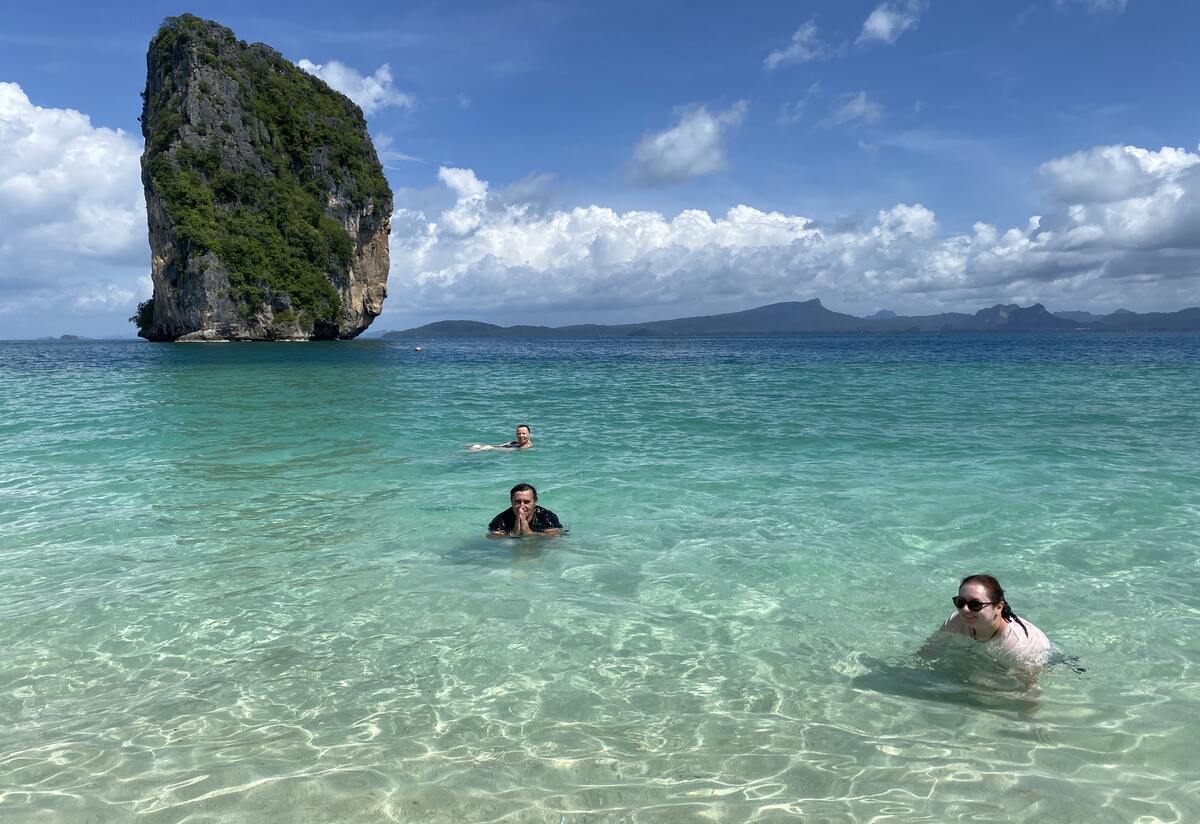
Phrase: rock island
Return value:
(268, 210)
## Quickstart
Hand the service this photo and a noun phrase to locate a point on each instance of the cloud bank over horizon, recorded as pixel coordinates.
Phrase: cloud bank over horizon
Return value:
(73, 232)
(1120, 226)
(1123, 229)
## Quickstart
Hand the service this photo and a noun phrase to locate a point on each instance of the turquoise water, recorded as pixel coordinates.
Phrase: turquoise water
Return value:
(249, 583)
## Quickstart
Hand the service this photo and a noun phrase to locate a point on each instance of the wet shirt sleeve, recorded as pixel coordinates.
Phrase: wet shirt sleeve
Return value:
(1028, 646)
(544, 519)
(954, 624)
(504, 522)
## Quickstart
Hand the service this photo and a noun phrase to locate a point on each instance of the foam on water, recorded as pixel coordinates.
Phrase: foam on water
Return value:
(250, 583)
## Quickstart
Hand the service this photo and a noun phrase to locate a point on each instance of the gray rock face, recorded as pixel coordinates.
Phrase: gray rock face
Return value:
(268, 210)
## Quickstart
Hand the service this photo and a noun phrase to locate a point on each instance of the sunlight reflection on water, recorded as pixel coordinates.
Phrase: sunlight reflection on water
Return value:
(249, 583)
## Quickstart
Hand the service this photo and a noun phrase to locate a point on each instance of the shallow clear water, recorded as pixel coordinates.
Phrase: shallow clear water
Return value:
(249, 583)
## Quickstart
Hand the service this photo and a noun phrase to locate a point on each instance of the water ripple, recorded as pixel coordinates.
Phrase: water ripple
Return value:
(249, 583)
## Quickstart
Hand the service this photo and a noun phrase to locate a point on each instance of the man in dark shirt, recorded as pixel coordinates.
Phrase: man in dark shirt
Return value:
(524, 517)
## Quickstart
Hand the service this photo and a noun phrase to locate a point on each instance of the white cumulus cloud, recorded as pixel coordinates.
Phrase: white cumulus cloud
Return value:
(693, 147)
(805, 46)
(1131, 200)
(371, 92)
(1114, 173)
(71, 207)
(107, 297)
(1135, 247)
(891, 19)
(1120, 226)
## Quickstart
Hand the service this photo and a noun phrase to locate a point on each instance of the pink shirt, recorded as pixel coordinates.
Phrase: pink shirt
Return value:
(1011, 642)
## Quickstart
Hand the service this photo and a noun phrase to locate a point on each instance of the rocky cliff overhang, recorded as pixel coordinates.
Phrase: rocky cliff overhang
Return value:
(268, 209)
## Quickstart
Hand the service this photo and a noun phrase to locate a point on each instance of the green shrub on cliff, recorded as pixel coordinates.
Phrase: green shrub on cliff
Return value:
(144, 316)
(269, 229)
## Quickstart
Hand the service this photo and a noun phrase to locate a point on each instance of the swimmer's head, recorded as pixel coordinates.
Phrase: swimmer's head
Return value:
(512, 493)
(523, 433)
(986, 589)
(990, 588)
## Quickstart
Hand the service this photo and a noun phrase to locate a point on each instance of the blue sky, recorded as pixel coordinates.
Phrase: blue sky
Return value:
(562, 162)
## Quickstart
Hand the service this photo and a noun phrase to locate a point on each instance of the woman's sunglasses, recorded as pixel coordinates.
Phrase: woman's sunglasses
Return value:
(972, 604)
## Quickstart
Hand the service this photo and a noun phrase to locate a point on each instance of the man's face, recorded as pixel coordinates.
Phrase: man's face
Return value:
(522, 502)
(522, 435)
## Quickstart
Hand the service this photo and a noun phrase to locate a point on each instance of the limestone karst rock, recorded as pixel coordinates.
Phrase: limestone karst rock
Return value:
(267, 207)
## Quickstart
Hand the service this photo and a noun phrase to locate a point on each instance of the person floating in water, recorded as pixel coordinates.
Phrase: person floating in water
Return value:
(523, 440)
(982, 613)
(524, 517)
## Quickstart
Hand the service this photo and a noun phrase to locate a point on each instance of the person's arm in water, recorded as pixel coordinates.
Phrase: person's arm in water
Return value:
(498, 528)
(522, 515)
(930, 648)
(522, 528)
(549, 523)
(526, 512)
(523, 518)
(484, 447)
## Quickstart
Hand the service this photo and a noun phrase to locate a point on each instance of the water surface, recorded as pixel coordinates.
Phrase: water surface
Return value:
(250, 583)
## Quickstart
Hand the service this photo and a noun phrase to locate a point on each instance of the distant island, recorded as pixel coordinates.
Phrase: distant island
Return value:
(801, 317)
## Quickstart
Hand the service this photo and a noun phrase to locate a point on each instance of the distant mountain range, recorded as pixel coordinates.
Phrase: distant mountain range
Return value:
(798, 317)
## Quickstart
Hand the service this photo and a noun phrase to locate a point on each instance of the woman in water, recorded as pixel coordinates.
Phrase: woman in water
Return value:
(982, 613)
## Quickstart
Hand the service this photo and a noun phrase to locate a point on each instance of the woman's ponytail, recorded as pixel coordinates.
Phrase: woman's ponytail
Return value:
(1008, 615)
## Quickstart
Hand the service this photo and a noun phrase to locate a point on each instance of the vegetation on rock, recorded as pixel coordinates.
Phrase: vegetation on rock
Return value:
(254, 195)
(144, 316)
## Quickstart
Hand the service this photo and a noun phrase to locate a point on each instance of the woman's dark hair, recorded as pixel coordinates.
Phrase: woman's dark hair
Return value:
(522, 488)
(524, 426)
(995, 594)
